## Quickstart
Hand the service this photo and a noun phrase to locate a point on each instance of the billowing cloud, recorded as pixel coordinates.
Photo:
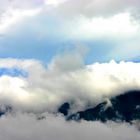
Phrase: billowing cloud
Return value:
(66, 79)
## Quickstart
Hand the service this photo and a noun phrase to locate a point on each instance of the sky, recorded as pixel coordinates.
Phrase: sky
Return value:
(79, 51)
(42, 29)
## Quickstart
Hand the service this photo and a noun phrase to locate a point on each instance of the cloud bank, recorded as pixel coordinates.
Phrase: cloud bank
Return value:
(27, 127)
(66, 78)
(90, 8)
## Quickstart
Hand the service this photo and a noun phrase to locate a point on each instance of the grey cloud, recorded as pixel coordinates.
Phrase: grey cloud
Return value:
(88, 8)
(20, 4)
(27, 127)
(66, 79)
(91, 8)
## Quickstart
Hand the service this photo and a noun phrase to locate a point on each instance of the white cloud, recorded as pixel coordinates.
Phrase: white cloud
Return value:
(115, 27)
(89, 20)
(98, 19)
(26, 127)
(66, 79)
(12, 17)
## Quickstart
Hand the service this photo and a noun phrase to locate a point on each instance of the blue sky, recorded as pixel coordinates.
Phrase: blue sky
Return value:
(42, 29)
(14, 72)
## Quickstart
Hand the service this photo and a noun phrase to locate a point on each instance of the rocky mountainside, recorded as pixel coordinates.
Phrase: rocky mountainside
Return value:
(125, 107)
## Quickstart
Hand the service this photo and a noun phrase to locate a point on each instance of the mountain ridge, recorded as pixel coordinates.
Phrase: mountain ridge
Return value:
(124, 107)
